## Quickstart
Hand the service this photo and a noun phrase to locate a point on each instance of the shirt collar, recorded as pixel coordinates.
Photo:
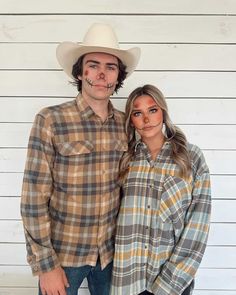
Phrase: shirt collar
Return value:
(142, 147)
(86, 111)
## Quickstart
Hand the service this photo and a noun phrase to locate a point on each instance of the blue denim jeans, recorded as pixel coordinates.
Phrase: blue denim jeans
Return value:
(99, 281)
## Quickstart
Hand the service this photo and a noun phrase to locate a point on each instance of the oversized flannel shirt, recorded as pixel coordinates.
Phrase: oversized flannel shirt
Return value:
(70, 195)
(162, 225)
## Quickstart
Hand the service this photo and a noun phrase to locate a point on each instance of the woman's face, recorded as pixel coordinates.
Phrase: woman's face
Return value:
(147, 118)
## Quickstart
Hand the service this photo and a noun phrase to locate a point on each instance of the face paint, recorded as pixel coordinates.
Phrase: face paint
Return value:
(86, 73)
(89, 81)
(101, 76)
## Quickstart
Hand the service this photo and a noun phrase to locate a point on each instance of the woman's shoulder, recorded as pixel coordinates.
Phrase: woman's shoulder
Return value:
(197, 159)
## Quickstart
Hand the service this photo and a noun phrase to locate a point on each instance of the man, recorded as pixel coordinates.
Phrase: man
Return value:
(70, 195)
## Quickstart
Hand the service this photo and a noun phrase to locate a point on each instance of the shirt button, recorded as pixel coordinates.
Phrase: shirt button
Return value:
(148, 206)
(145, 246)
(146, 227)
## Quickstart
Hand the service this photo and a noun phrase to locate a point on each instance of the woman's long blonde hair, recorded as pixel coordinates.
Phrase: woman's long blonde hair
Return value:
(173, 134)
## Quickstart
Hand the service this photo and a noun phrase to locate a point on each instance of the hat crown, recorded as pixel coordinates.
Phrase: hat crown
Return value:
(101, 35)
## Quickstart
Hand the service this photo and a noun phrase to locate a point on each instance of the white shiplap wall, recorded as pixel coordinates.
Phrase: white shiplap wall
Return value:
(188, 50)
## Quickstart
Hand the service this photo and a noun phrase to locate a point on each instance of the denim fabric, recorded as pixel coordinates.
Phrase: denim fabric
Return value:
(99, 281)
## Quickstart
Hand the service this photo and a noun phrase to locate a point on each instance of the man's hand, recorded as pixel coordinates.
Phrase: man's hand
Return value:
(53, 282)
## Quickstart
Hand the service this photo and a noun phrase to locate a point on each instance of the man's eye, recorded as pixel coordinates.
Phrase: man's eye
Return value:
(93, 66)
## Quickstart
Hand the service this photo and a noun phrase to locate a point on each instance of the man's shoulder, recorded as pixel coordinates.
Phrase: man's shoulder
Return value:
(57, 110)
(119, 115)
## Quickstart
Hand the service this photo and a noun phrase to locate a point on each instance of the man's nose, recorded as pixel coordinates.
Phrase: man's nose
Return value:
(101, 76)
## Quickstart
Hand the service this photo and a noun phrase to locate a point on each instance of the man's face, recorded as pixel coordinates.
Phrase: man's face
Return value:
(99, 76)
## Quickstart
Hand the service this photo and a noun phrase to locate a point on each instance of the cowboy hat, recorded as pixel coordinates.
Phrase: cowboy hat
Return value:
(99, 38)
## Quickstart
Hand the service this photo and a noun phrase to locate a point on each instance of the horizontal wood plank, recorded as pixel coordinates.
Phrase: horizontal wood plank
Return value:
(172, 84)
(222, 211)
(213, 292)
(151, 28)
(222, 186)
(20, 277)
(15, 254)
(221, 279)
(11, 231)
(116, 6)
(180, 57)
(182, 110)
(15, 135)
(219, 162)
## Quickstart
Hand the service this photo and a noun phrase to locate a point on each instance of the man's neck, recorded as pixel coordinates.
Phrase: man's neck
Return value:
(99, 106)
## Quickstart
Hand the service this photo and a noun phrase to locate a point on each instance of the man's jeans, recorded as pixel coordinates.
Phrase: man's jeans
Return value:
(99, 281)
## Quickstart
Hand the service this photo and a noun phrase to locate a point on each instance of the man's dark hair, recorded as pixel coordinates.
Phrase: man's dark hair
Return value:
(77, 70)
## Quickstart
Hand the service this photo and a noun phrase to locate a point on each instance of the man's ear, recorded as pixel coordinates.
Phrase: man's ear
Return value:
(79, 77)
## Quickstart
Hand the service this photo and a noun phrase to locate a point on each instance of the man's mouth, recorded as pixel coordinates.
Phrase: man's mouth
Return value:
(93, 84)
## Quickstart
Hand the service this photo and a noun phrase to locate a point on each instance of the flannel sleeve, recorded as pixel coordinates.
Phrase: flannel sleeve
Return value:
(36, 193)
(180, 269)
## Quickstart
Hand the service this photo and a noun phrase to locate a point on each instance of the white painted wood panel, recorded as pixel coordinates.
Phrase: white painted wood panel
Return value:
(172, 84)
(222, 210)
(10, 184)
(19, 291)
(11, 231)
(117, 6)
(205, 279)
(219, 257)
(151, 28)
(219, 162)
(182, 110)
(214, 292)
(20, 276)
(10, 208)
(222, 186)
(221, 279)
(160, 57)
(205, 136)
(33, 291)
(15, 254)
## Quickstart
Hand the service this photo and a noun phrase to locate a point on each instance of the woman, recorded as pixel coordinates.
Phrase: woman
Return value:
(163, 221)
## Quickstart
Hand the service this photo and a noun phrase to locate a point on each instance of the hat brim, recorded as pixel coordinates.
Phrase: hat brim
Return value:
(68, 53)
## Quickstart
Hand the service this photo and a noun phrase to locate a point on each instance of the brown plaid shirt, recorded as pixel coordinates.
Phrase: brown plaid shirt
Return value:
(70, 194)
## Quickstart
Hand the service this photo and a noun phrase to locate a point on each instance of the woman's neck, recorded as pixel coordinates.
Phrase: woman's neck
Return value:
(155, 146)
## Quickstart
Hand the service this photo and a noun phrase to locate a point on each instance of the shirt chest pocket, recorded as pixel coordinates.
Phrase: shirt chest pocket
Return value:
(75, 148)
(175, 200)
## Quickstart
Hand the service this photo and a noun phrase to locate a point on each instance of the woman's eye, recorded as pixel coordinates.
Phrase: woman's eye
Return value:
(136, 114)
(154, 110)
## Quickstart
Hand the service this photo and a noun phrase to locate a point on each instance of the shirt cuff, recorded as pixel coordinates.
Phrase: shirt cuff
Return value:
(44, 265)
(160, 287)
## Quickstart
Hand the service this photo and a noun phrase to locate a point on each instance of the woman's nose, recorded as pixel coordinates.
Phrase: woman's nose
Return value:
(146, 119)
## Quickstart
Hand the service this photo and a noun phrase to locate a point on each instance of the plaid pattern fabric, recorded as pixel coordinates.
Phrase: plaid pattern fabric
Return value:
(70, 194)
(162, 225)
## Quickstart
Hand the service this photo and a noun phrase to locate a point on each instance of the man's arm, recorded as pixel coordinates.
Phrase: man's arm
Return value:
(36, 193)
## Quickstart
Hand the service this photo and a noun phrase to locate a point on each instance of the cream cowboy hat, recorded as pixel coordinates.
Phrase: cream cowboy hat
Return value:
(99, 38)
